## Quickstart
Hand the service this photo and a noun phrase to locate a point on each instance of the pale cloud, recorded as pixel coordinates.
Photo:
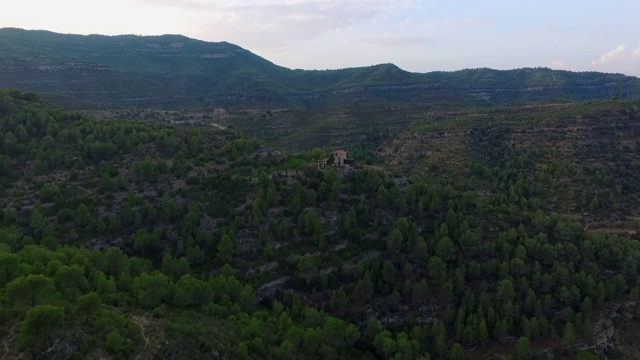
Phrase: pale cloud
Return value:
(313, 33)
(271, 24)
(396, 41)
(93, 16)
(611, 56)
(558, 65)
(619, 60)
(417, 35)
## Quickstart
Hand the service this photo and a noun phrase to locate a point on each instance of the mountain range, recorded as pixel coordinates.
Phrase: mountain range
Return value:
(173, 71)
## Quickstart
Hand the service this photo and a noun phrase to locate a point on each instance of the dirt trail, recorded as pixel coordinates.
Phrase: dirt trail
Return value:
(146, 330)
(5, 344)
(142, 323)
(153, 337)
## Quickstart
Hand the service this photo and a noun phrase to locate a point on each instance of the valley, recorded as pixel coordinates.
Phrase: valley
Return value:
(190, 204)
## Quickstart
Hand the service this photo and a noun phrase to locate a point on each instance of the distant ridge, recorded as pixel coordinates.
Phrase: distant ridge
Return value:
(173, 71)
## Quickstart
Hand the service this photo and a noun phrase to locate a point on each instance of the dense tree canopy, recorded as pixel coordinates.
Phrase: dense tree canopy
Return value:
(117, 230)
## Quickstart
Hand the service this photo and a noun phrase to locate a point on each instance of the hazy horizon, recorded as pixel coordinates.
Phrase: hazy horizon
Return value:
(417, 36)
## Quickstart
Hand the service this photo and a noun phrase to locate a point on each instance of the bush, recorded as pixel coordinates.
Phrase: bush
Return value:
(117, 344)
(40, 322)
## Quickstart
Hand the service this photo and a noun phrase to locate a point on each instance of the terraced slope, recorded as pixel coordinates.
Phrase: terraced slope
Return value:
(173, 71)
(583, 159)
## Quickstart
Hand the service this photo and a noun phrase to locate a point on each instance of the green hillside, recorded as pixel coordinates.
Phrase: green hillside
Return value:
(127, 239)
(172, 71)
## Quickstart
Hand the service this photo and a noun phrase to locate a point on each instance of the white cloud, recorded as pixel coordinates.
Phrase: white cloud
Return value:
(613, 55)
(395, 41)
(559, 65)
(418, 35)
(270, 24)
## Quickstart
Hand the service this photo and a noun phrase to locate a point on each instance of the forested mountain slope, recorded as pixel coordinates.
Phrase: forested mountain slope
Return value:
(140, 240)
(173, 71)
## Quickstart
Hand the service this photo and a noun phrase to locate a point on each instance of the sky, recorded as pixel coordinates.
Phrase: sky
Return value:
(416, 35)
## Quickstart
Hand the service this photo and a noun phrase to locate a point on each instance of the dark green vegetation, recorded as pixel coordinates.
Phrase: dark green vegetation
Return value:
(132, 239)
(173, 71)
(486, 214)
(583, 159)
